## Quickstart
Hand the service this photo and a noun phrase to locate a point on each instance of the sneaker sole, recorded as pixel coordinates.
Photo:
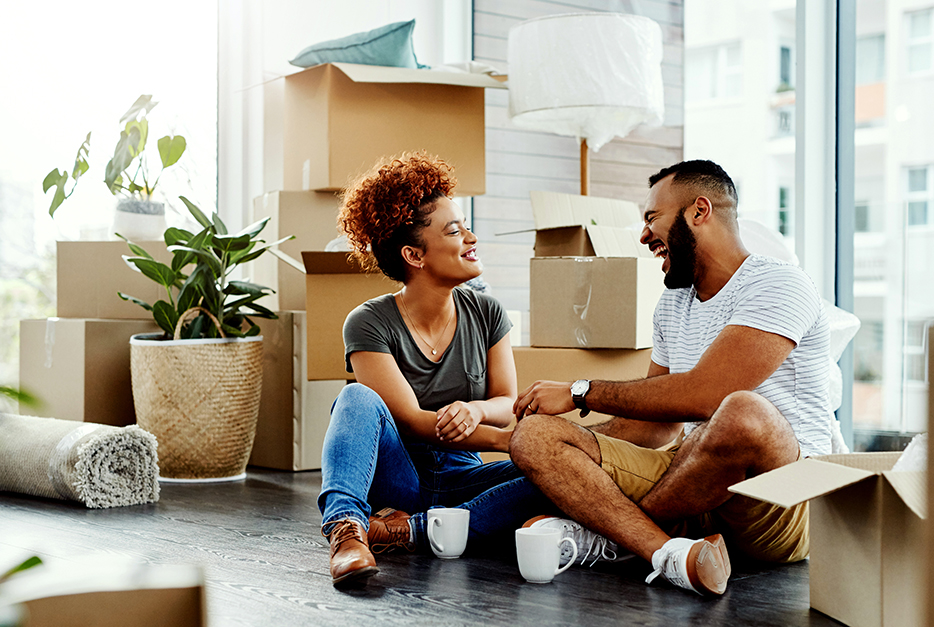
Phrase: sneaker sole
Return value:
(709, 565)
(531, 521)
(356, 576)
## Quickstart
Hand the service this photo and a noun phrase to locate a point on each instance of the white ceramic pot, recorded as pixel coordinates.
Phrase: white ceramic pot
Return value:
(139, 220)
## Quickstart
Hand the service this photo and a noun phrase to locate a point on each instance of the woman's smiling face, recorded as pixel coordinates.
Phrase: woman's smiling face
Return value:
(449, 248)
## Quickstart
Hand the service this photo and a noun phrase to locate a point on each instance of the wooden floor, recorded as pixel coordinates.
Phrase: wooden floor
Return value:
(267, 564)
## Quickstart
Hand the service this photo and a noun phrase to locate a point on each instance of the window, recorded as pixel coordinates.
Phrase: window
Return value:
(786, 69)
(920, 41)
(714, 73)
(784, 215)
(918, 198)
(861, 217)
(870, 59)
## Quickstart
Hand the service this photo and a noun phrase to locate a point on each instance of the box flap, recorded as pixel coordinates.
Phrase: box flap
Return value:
(875, 462)
(798, 482)
(912, 488)
(609, 241)
(379, 74)
(553, 210)
(318, 262)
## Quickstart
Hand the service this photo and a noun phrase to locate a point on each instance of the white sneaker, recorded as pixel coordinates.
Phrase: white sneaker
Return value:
(590, 545)
(701, 566)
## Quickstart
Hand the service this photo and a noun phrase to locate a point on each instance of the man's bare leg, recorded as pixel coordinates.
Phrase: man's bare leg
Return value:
(563, 460)
(640, 432)
(745, 437)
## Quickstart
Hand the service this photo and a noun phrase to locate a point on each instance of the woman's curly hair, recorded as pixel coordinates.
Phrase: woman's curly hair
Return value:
(386, 209)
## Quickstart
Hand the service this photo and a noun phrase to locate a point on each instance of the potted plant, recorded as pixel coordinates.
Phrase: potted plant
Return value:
(127, 173)
(196, 386)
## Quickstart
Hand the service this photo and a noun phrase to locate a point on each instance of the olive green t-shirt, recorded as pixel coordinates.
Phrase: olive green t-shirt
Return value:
(377, 326)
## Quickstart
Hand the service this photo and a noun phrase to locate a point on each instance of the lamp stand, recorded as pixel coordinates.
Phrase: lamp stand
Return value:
(585, 168)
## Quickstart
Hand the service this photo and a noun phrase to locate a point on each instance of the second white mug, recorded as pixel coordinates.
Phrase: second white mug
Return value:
(447, 531)
(539, 552)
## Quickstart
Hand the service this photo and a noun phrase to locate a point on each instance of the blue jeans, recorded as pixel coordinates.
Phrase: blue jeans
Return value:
(366, 465)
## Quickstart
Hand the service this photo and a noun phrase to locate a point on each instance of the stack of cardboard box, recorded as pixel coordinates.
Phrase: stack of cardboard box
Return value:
(78, 364)
(323, 127)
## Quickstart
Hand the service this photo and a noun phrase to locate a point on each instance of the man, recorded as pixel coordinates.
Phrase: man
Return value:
(739, 358)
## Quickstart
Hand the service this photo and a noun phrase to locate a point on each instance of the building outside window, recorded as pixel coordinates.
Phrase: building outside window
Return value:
(918, 195)
(714, 73)
(920, 41)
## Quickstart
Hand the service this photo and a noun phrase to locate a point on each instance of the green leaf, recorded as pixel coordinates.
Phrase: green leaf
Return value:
(20, 396)
(253, 331)
(144, 103)
(55, 179)
(261, 311)
(219, 225)
(158, 272)
(135, 249)
(171, 149)
(196, 328)
(231, 331)
(197, 213)
(138, 130)
(173, 236)
(206, 256)
(245, 256)
(29, 563)
(81, 159)
(244, 287)
(254, 229)
(121, 160)
(133, 299)
(165, 316)
(133, 188)
(230, 243)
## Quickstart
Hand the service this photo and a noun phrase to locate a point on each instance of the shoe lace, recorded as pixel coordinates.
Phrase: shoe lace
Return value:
(397, 535)
(598, 547)
(345, 530)
(668, 568)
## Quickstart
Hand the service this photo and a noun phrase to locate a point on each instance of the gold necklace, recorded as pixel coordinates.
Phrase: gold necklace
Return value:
(434, 351)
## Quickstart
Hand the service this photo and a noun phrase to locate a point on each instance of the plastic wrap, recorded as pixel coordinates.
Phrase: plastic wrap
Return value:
(590, 75)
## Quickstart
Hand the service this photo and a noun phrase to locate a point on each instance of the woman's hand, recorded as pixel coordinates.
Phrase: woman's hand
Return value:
(457, 421)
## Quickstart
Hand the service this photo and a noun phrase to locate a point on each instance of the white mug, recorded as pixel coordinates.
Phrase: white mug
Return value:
(539, 551)
(447, 531)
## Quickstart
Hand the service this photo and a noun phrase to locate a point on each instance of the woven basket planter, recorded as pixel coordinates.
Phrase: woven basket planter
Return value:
(200, 398)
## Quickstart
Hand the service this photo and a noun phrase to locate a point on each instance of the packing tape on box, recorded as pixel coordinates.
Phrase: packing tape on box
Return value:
(583, 280)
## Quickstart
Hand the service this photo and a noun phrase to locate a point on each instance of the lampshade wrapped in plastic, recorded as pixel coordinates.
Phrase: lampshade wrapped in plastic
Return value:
(589, 75)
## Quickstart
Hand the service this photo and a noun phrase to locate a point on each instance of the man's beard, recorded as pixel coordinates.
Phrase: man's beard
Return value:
(682, 259)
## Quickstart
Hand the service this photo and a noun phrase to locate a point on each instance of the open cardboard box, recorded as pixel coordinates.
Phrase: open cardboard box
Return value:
(312, 218)
(601, 301)
(867, 534)
(334, 286)
(329, 123)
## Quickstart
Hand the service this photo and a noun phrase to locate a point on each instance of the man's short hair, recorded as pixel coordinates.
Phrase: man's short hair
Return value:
(702, 175)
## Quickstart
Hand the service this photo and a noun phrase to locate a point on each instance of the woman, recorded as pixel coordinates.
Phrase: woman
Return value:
(436, 378)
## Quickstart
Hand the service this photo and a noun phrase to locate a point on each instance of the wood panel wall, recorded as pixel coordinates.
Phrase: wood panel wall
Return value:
(519, 161)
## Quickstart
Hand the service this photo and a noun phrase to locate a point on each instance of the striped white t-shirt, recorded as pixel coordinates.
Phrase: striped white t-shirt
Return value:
(772, 296)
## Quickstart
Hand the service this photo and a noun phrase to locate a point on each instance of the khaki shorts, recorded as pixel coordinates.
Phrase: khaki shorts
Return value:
(761, 530)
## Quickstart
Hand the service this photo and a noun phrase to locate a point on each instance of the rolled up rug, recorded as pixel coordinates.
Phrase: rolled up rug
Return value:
(98, 465)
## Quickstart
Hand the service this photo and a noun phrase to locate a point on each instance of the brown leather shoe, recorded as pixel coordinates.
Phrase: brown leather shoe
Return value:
(389, 529)
(351, 560)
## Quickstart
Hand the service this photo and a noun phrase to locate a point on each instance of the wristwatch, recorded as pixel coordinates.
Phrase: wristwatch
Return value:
(579, 391)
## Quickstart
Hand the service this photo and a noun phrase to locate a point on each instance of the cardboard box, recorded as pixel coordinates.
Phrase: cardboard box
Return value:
(570, 364)
(593, 302)
(334, 286)
(89, 275)
(79, 369)
(569, 226)
(867, 565)
(110, 593)
(294, 412)
(332, 122)
(596, 286)
(312, 218)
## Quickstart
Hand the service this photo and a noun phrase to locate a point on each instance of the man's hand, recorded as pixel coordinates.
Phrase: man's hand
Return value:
(457, 421)
(544, 397)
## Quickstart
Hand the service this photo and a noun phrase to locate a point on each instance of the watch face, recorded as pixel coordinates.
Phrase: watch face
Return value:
(580, 387)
